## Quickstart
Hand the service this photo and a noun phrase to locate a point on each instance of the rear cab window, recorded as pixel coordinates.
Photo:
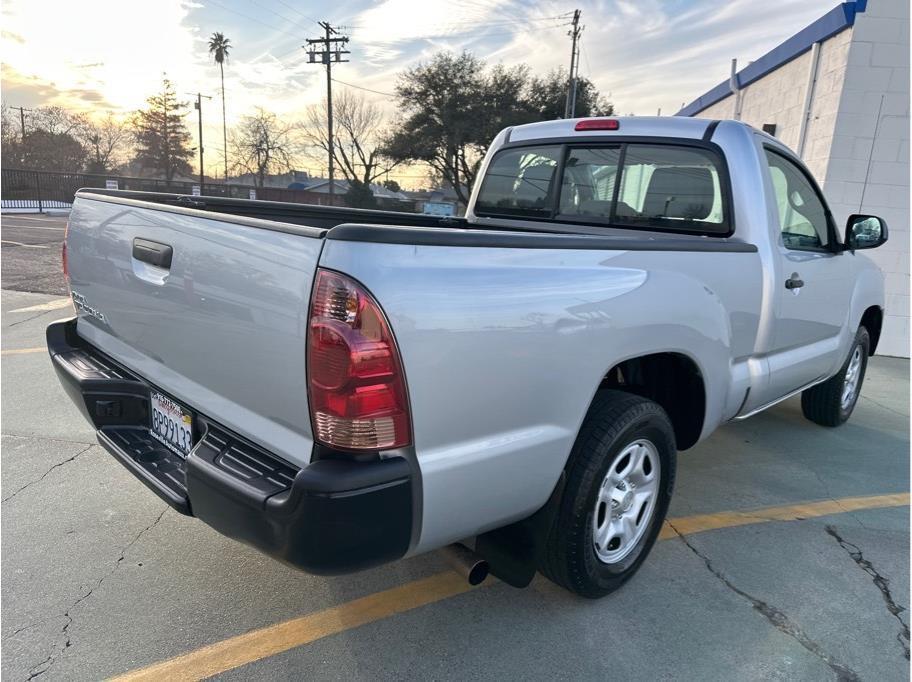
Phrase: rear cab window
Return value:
(661, 187)
(520, 182)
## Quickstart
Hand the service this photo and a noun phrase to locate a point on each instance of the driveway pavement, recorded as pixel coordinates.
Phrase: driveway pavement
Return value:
(100, 578)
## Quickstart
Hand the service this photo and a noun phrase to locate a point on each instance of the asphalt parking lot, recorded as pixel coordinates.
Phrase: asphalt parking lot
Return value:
(786, 557)
(31, 253)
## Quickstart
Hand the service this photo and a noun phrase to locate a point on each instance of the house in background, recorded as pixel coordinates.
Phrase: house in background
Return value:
(837, 93)
(317, 192)
(440, 201)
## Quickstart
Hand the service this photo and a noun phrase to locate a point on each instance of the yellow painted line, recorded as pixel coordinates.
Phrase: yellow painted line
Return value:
(268, 641)
(689, 525)
(54, 304)
(252, 646)
(22, 351)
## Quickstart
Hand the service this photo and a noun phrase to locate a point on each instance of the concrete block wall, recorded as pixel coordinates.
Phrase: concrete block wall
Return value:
(860, 172)
(779, 98)
(868, 168)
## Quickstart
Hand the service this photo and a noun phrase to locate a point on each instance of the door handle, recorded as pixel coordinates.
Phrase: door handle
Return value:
(794, 282)
(153, 253)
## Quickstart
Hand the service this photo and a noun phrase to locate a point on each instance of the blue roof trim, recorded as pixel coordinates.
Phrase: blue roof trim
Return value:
(837, 19)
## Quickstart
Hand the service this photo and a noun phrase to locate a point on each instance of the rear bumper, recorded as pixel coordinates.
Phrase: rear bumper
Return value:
(332, 516)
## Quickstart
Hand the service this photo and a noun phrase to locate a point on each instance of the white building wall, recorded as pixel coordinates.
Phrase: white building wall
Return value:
(856, 68)
(877, 81)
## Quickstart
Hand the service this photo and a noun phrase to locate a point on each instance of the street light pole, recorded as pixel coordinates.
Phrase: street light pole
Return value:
(198, 105)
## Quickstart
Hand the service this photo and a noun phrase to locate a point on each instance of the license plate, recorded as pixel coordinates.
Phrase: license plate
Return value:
(172, 424)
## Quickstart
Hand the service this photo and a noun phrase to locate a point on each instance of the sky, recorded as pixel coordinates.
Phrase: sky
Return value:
(97, 56)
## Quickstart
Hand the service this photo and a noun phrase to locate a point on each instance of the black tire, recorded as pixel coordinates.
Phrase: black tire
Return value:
(614, 421)
(822, 404)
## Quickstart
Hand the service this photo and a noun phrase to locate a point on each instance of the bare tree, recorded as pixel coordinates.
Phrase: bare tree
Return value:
(58, 121)
(9, 136)
(262, 144)
(106, 141)
(358, 133)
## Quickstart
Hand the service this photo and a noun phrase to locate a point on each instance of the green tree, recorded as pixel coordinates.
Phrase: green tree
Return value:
(392, 185)
(219, 47)
(442, 111)
(453, 106)
(47, 151)
(360, 195)
(162, 138)
(546, 97)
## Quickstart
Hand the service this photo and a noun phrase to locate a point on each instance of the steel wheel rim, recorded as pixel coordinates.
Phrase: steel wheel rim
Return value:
(852, 377)
(626, 501)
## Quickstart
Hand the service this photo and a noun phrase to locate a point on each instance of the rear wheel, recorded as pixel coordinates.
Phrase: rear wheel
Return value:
(832, 402)
(619, 481)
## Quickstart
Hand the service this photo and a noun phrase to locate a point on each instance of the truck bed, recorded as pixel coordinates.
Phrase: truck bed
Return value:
(323, 217)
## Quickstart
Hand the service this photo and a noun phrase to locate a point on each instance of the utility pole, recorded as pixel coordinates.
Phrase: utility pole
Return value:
(574, 33)
(22, 111)
(332, 43)
(198, 105)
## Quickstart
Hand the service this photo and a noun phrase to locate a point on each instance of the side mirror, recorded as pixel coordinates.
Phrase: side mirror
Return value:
(864, 232)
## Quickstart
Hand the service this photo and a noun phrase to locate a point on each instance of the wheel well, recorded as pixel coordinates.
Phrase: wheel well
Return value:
(872, 320)
(674, 382)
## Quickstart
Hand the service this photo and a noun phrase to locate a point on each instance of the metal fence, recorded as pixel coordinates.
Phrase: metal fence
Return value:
(42, 190)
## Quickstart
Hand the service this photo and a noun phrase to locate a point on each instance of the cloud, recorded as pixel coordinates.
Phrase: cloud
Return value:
(645, 53)
(32, 91)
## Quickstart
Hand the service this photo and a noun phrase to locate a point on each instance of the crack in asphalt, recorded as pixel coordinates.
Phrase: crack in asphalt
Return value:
(25, 627)
(37, 669)
(829, 496)
(776, 618)
(882, 584)
(39, 437)
(29, 319)
(42, 477)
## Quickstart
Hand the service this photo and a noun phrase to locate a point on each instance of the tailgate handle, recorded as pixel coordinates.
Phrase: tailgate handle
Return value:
(153, 253)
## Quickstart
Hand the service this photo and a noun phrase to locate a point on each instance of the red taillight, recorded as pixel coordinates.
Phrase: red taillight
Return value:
(356, 385)
(63, 254)
(598, 124)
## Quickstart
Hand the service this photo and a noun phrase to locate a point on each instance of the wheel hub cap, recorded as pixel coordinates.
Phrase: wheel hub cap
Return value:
(626, 501)
(852, 377)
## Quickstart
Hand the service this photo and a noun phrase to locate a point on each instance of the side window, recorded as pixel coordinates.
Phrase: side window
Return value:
(519, 182)
(802, 214)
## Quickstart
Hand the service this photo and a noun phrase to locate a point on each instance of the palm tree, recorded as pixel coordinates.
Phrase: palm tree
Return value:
(218, 48)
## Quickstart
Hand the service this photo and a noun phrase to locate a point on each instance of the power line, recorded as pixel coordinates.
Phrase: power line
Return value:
(358, 87)
(281, 16)
(504, 22)
(250, 18)
(293, 9)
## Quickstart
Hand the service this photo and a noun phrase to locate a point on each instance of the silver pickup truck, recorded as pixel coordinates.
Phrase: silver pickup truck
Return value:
(343, 388)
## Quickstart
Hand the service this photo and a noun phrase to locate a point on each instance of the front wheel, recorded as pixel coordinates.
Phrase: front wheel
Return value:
(832, 402)
(619, 481)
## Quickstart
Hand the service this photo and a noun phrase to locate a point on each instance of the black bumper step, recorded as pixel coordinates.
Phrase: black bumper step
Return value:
(335, 515)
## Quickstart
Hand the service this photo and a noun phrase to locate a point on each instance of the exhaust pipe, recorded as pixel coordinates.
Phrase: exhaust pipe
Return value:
(465, 562)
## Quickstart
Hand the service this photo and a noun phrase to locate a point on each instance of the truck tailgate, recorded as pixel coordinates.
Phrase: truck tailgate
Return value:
(222, 329)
